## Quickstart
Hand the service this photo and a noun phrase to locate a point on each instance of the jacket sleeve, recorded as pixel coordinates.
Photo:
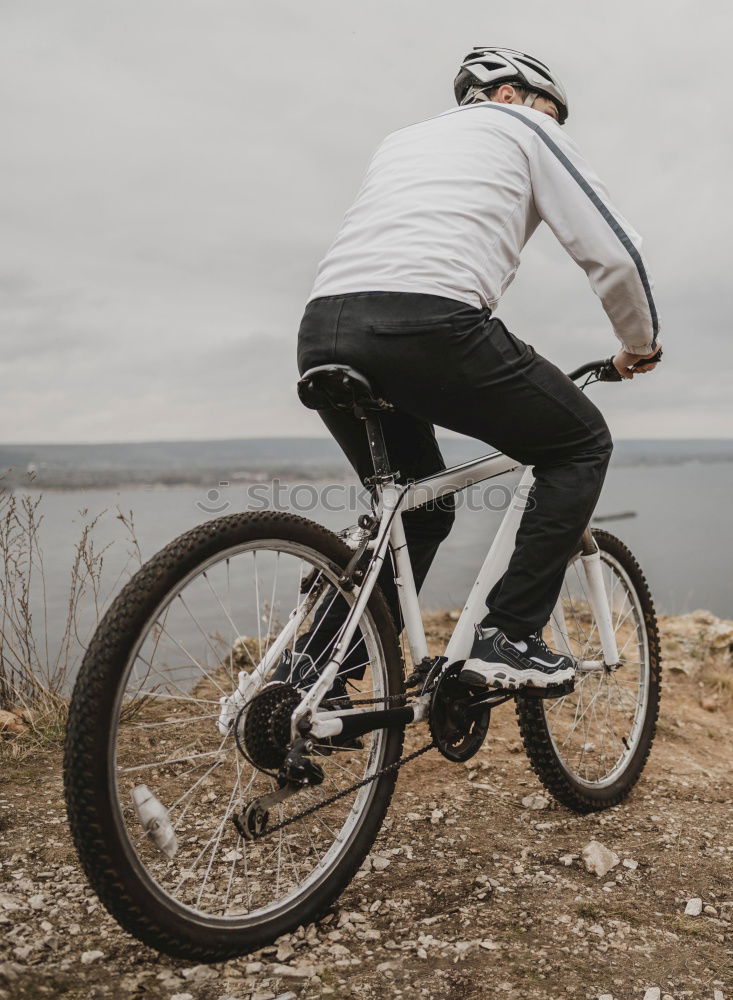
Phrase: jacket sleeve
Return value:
(574, 203)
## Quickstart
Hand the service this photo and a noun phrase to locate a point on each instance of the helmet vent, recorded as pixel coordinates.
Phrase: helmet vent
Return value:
(491, 65)
(536, 67)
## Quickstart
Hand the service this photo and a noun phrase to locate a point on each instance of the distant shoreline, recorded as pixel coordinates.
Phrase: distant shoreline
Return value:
(207, 464)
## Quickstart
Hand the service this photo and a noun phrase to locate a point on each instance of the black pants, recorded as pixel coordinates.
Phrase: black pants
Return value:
(443, 362)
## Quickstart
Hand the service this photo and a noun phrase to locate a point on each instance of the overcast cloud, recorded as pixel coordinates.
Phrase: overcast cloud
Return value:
(173, 170)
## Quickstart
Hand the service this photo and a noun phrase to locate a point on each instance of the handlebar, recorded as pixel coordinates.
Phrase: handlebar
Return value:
(605, 371)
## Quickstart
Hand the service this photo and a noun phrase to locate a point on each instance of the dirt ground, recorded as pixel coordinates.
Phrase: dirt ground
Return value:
(475, 895)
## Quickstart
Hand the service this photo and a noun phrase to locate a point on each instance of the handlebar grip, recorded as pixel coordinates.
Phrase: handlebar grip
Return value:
(653, 360)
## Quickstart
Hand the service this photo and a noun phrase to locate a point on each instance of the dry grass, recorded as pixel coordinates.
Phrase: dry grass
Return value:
(35, 671)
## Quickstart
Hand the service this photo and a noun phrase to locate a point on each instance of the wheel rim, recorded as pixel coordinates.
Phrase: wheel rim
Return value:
(164, 735)
(596, 730)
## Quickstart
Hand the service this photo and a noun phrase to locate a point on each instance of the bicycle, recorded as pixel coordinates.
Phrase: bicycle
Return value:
(214, 808)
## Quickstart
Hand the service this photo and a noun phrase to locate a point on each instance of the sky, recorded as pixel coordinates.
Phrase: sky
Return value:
(172, 171)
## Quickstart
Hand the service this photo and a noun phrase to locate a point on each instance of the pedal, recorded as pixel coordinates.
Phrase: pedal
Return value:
(422, 672)
(552, 691)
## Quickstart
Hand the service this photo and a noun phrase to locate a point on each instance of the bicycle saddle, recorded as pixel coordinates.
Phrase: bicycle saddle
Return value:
(339, 387)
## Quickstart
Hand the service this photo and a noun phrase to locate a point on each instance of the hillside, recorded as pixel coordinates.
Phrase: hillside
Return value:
(481, 895)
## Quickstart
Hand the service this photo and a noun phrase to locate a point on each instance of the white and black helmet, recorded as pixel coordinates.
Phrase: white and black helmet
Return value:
(485, 68)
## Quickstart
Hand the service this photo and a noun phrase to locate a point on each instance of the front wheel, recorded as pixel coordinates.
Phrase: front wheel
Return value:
(590, 747)
(163, 790)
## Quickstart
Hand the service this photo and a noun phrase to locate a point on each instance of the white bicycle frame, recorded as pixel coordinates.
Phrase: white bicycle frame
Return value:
(392, 501)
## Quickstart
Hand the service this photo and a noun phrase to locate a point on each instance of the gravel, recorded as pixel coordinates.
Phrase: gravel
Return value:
(481, 900)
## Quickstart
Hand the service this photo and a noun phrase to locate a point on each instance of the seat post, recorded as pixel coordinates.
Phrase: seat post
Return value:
(377, 447)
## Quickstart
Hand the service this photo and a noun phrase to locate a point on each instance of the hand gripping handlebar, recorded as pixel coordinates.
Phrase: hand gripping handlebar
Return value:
(605, 370)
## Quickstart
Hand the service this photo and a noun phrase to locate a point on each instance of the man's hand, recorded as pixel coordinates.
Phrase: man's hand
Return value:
(625, 359)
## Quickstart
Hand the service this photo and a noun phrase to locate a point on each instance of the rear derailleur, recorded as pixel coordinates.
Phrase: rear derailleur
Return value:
(298, 771)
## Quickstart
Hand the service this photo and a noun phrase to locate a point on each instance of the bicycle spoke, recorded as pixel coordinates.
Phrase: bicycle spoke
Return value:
(194, 661)
(168, 761)
(219, 832)
(228, 616)
(199, 628)
(171, 739)
(272, 600)
(585, 725)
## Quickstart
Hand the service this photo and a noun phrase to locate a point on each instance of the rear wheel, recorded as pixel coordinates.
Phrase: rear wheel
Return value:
(589, 748)
(154, 786)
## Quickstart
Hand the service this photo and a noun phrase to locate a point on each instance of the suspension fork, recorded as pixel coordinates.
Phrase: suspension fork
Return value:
(591, 559)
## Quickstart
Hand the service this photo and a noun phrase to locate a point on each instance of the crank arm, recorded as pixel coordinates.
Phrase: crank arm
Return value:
(489, 700)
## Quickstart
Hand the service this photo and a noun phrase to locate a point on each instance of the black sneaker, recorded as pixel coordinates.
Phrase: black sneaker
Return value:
(497, 662)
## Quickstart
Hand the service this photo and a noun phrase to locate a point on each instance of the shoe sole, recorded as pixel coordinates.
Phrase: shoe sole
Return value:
(508, 679)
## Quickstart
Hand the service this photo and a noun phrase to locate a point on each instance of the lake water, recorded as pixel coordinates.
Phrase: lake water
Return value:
(681, 533)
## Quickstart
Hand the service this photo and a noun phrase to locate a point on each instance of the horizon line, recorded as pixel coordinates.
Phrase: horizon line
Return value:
(451, 436)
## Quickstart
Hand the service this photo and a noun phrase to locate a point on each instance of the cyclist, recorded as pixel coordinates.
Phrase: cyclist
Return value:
(406, 294)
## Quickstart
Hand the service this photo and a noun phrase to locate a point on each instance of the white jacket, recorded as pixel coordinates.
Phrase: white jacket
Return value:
(448, 204)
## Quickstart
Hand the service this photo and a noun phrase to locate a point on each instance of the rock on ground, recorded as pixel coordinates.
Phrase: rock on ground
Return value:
(598, 859)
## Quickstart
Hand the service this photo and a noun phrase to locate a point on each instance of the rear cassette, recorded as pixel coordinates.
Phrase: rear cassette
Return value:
(263, 726)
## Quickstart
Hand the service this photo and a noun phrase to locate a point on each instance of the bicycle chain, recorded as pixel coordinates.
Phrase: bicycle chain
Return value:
(390, 698)
(359, 784)
(352, 788)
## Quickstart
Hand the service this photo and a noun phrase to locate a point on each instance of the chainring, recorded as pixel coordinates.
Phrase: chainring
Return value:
(264, 726)
(458, 722)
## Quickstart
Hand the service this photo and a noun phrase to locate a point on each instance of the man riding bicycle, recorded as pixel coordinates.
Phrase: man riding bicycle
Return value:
(406, 295)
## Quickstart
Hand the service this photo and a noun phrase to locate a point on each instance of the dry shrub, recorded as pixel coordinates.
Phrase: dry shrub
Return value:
(35, 679)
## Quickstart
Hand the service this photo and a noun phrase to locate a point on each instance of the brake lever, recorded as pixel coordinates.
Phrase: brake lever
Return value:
(608, 372)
